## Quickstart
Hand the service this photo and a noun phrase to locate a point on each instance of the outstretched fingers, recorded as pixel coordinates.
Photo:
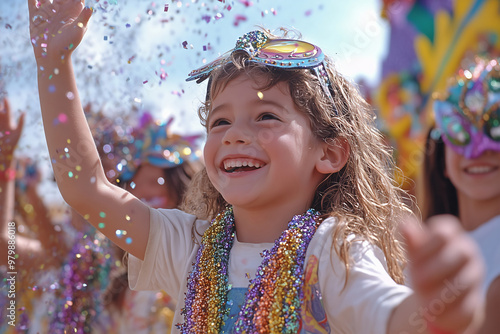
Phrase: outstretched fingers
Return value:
(84, 17)
(5, 113)
(57, 27)
(9, 133)
(446, 272)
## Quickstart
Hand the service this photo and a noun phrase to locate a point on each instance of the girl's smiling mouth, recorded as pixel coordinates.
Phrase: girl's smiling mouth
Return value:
(241, 165)
(480, 169)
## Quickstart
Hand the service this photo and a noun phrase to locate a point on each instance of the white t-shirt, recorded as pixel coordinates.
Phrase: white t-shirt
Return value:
(363, 306)
(487, 238)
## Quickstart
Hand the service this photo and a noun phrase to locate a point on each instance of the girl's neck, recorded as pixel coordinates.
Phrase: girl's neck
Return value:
(264, 224)
(475, 213)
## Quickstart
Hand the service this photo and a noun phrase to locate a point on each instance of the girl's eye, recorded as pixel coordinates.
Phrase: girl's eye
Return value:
(219, 122)
(267, 116)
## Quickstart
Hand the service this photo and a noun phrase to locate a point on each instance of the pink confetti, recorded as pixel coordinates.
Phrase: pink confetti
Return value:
(247, 3)
(165, 9)
(238, 19)
(62, 118)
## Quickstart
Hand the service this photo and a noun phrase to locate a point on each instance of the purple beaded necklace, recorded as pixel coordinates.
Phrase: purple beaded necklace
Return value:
(273, 300)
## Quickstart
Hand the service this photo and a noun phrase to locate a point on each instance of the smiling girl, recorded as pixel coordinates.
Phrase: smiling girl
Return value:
(462, 166)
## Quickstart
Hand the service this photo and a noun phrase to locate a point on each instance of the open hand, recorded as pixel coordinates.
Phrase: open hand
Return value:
(446, 273)
(56, 28)
(9, 133)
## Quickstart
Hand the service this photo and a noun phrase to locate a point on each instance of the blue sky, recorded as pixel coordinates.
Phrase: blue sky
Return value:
(130, 44)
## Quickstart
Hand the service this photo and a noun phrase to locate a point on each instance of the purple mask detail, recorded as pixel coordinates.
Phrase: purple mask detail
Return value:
(469, 116)
(460, 134)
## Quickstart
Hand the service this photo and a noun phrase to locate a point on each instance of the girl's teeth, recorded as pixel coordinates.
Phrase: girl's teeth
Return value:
(479, 170)
(230, 166)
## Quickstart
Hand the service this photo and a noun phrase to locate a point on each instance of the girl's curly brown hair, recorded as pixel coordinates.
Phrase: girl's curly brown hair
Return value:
(363, 196)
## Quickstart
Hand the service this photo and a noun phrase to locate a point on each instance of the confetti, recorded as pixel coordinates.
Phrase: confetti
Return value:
(107, 148)
(62, 118)
(238, 19)
(247, 3)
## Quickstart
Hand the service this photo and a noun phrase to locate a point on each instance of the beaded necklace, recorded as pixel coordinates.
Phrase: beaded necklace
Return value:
(273, 301)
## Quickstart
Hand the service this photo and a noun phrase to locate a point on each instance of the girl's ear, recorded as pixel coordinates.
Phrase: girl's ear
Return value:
(335, 155)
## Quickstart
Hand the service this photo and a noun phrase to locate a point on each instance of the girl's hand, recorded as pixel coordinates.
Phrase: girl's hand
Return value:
(57, 28)
(9, 133)
(446, 273)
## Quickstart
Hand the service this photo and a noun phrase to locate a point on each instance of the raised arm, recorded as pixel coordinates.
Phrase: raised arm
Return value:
(56, 29)
(446, 274)
(9, 137)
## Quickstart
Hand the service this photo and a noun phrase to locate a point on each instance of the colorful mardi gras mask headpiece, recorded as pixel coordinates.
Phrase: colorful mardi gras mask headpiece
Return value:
(126, 148)
(280, 53)
(153, 143)
(468, 114)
